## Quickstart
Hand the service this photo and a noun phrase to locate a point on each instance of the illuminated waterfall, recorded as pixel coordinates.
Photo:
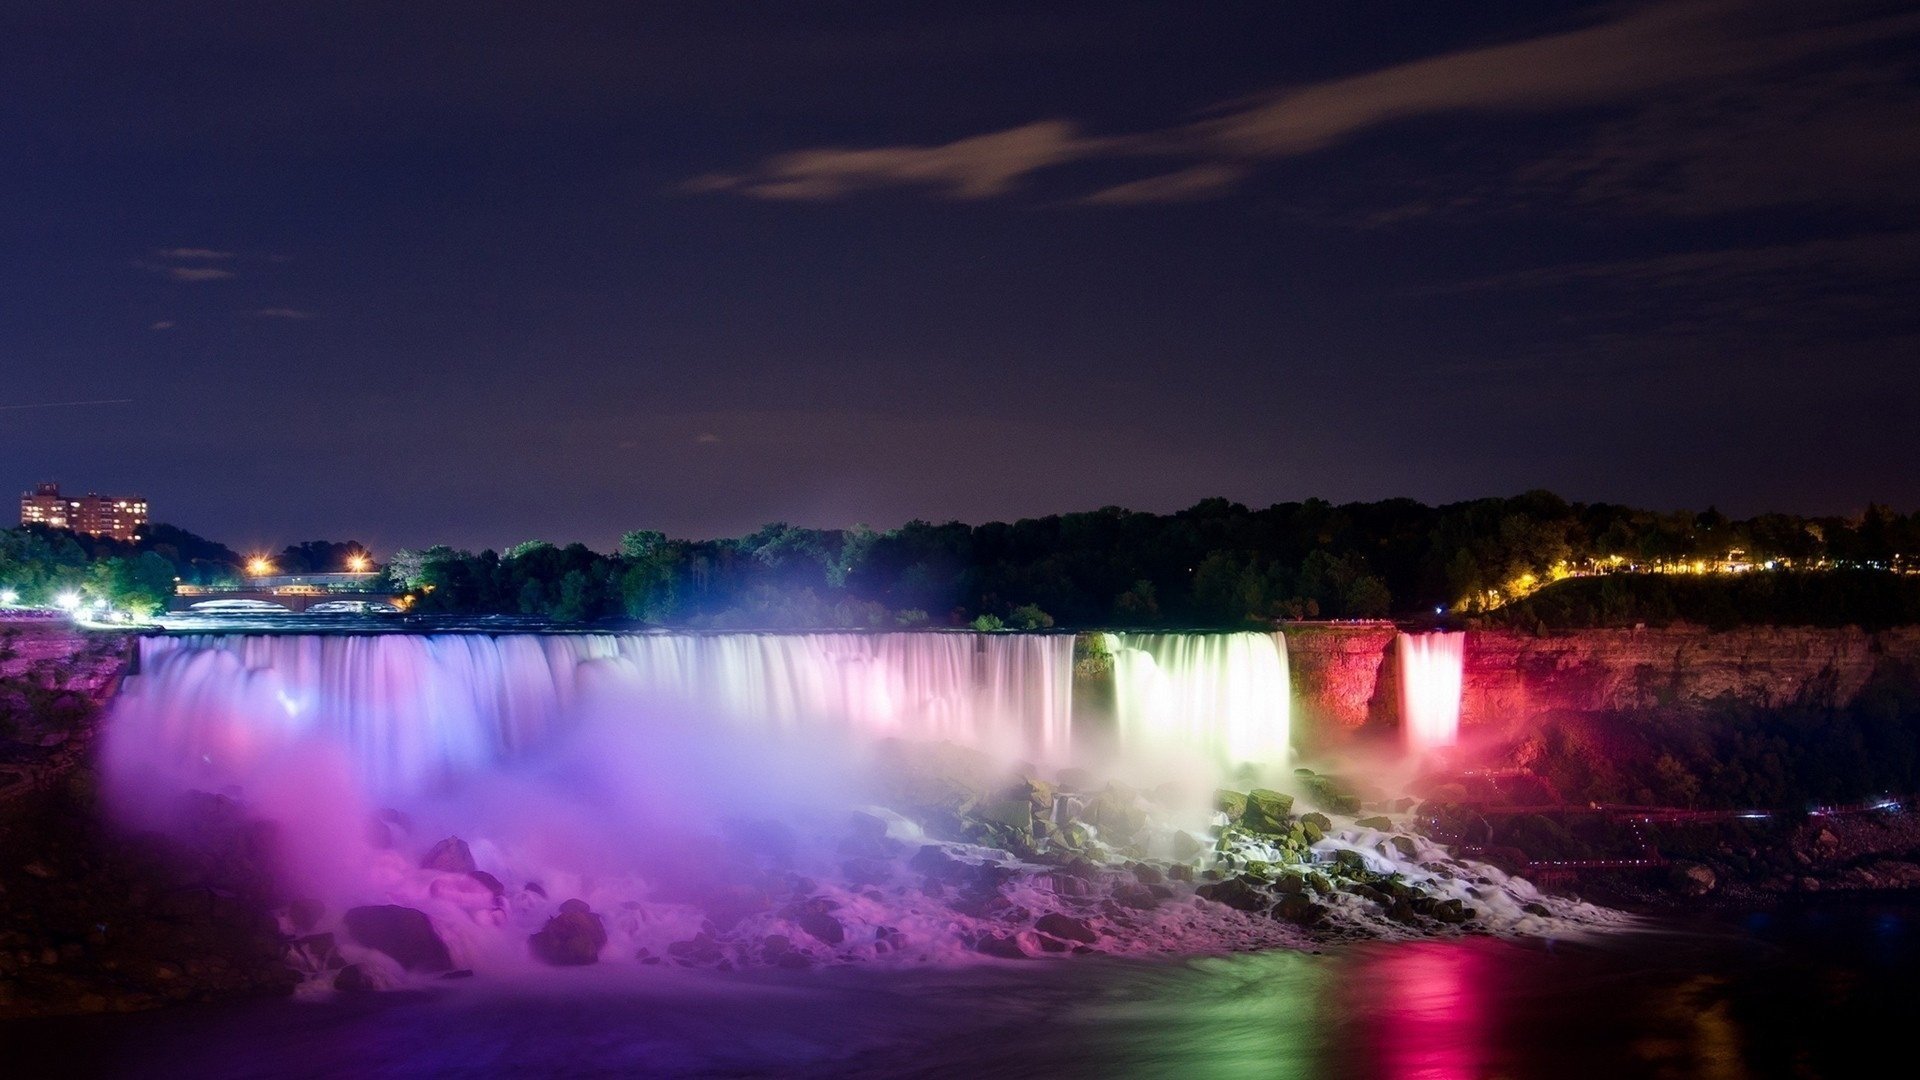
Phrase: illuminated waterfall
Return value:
(408, 708)
(1224, 698)
(1430, 678)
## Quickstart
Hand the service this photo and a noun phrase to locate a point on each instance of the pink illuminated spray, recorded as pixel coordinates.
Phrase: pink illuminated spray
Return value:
(1430, 679)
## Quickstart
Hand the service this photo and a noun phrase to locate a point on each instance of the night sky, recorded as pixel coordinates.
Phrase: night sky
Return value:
(479, 273)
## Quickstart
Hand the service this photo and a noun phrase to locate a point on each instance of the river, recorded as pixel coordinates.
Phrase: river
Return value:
(1807, 991)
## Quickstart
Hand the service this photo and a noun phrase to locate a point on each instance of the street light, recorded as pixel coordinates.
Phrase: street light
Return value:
(68, 601)
(9, 597)
(359, 563)
(259, 566)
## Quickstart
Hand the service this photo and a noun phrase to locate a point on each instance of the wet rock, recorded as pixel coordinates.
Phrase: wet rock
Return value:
(1148, 874)
(867, 826)
(1297, 908)
(1267, 812)
(1014, 812)
(701, 950)
(1534, 908)
(492, 883)
(1136, 896)
(1405, 846)
(1316, 820)
(305, 914)
(888, 939)
(360, 979)
(867, 871)
(1117, 813)
(314, 954)
(451, 856)
(1377, 821)
(1067, 928)
(821, 926)
(1186, 848)
(400, 932)
(1231, 803)
(1242, 893)
(573, 937)
(1694, 879)
(1006, 947)
(934, 861)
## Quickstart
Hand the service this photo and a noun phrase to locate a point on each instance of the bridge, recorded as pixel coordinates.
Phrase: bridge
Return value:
(297, 593)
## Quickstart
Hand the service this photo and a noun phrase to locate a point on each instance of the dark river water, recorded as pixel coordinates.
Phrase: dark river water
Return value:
(1817, 991)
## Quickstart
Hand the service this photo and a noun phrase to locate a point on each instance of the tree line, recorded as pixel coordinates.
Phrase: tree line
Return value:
(1215, 564)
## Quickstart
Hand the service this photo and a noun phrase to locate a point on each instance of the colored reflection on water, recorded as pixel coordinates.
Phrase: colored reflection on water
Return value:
(1810, 994)
(1429, 1008)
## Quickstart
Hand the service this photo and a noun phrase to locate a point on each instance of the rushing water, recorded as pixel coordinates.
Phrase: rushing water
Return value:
(1815, 992)
(1430, 675)
(1219, 699)
(411, 707)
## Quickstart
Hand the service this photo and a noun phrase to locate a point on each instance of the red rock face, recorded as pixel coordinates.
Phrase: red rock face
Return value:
(1344, 677)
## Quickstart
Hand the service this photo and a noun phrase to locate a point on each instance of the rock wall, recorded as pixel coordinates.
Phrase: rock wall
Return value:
(1345, 676)
(87, 662)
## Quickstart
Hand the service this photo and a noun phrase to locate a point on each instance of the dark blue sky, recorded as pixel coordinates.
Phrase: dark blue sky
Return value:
(484, 272)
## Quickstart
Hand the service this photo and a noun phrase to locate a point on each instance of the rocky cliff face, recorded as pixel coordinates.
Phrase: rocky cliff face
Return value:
(52, 649)
(1513, 677)
(1346, 677)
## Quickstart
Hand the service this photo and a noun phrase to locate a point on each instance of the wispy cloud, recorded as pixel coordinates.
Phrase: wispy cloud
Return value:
(1626, 57)
(192, 254)
(192, 274)
(282, 313)
(972, 168)
(1206, 181)
(163, 324)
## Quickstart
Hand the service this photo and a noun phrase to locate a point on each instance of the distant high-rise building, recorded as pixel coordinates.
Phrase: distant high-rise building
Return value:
(119, 516)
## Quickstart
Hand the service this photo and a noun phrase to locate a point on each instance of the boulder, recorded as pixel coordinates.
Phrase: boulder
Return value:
(305, 914)
(1186, 848)
(403, 933)
(360, 979)
(1117, 814)
(859, 871)
(573, 937)
(1694, 879)
(451, 856)
(1005, 947)
(1136, 896)
(935, 862)
(1377, 821)
(1267, 812)
(492, 883)
(1405, 846)
(1297, 908)
(1243, 893)
(1067, 928)
(821, 926)
(1231, 803)
(1015, 813)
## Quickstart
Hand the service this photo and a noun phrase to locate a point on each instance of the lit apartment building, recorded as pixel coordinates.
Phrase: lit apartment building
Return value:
(119, 516)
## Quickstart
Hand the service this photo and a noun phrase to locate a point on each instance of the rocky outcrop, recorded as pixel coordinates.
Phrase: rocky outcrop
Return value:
(571, 938)
(1346, 677)
(403, 933)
